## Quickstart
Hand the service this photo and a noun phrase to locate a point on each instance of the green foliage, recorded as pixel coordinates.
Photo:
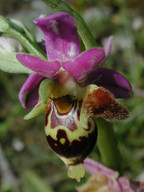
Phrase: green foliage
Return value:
(33, 183)
(9, 63)
(23, 29)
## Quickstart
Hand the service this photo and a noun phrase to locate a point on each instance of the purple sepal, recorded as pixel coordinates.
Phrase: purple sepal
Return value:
(28, 94)
(61, 36)
(111, 80)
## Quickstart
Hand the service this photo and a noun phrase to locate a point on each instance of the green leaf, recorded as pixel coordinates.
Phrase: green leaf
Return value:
(15, 29)
(19, 26)
(33, 183)
(9, 63)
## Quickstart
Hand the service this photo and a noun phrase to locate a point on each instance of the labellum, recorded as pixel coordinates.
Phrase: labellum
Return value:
(66, 136)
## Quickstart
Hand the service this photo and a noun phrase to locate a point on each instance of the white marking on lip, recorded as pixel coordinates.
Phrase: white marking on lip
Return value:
(72, 50)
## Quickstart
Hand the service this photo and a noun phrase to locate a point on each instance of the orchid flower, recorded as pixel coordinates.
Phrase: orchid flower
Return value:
(104, 179)
(73, 89)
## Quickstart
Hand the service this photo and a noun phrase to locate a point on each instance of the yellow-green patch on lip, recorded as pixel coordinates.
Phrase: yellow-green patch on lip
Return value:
(72, 135)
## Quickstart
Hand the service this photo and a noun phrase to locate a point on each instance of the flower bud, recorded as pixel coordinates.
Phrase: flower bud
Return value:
(4, 24)
(10, 44)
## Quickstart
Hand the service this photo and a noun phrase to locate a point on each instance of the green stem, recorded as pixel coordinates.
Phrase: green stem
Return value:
(31, 47)
(83, 30)
(107, 145)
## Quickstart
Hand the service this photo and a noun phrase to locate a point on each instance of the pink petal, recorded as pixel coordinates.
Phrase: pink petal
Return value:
(42, 67)
(28, 94)
(107, 46)
(61, 36)
(84, 64)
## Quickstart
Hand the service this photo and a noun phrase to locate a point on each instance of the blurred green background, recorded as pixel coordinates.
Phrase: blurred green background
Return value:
(33, 166)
